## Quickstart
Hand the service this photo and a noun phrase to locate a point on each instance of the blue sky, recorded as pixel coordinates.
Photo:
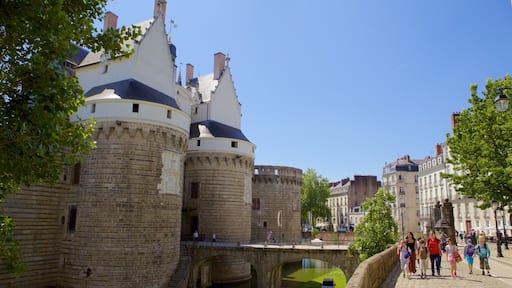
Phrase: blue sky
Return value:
(343, 86)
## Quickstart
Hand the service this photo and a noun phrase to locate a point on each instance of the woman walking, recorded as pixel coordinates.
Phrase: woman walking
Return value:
(412, 244)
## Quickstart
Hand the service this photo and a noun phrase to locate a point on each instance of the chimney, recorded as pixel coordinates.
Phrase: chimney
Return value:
(439, 151)
(219, 61)
(454, 119)
(110, 21)
(160, 7)
(189, 74)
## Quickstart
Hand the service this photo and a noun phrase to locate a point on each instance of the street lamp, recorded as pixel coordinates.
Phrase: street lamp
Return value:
(501, 101)
(494, 205)
(503, 214)
(402, 208)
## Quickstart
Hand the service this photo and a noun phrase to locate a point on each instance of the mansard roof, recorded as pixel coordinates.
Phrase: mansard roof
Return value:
(216, 129)
(134, 90)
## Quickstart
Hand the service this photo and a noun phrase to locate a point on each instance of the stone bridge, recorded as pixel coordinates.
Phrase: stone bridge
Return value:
(266, 260)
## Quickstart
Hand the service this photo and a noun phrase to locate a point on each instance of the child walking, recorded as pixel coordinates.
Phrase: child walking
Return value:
(422, 256)
(469, 253)
(484, 252)
(451, 256)
(404, 253)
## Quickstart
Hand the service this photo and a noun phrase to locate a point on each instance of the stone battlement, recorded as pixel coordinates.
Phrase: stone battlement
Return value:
(277, 174)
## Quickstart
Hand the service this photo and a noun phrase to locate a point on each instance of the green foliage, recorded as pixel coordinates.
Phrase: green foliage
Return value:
(9, 247)
(481, 146)
(38, 95)
(378, 228)
(314, 194)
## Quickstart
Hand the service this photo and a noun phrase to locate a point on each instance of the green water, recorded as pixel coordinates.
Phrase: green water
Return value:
(307, 273)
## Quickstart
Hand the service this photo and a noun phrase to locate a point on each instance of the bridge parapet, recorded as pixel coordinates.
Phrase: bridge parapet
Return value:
(267, 260)
(372, 272)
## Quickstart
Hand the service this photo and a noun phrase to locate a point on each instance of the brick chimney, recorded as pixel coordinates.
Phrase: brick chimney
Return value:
(219, 62)
(439, 150)
(110, 21)
(189, 74)
(160, 7)
(454, 119)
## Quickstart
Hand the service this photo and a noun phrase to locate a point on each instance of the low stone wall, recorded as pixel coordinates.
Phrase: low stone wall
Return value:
(372, 272)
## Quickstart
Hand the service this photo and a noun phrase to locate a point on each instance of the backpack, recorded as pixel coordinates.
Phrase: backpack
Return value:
(470, 250)
(423, 252)
(482, 250)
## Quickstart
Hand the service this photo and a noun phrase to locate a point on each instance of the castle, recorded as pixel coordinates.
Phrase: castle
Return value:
(169, 159)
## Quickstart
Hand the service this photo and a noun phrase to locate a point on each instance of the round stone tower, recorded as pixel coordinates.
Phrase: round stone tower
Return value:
(218, 170)
(124, 221)
(218, 193)
(276, 204)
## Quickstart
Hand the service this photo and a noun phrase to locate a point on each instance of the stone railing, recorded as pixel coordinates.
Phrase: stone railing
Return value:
(375, 270)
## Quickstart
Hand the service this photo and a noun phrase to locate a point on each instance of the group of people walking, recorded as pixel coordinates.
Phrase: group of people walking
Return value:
(412, 252)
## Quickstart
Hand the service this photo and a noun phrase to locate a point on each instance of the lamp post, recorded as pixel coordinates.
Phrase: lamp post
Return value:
(501, 101)
(503, 214)
(494, 205)
(402, 208)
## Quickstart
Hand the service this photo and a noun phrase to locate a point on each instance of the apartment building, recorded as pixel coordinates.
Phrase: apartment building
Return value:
(400, 178)
(346, 199)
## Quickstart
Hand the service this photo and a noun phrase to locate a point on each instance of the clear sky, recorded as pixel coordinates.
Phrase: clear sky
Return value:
(343, 86)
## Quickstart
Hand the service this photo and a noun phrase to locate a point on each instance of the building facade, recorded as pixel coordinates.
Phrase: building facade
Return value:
(400, 178)
(433, 189)
(346, 199)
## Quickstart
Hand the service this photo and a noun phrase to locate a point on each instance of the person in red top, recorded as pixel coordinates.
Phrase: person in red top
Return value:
(434, 249)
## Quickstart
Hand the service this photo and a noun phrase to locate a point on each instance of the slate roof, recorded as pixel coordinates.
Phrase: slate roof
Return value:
(134, 90)
(79, 56)
(84, 57)
(217, 129)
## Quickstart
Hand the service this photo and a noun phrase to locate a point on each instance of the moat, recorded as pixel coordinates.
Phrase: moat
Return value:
(305, 273)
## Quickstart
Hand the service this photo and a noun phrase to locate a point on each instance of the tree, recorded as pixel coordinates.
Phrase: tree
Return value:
(378, 228)
(314, 194)
(38, 95)
(481, 147)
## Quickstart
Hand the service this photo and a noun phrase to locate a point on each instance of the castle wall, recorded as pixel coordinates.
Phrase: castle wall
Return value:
(276, 194)
(37, 214)
(128, 209)
(217, 194)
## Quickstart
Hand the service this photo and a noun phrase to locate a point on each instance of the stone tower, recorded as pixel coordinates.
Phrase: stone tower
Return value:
(276, 203)
(123, 222)
(218, 170)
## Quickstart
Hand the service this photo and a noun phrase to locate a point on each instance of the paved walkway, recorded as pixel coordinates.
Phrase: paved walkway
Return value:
(501, 270)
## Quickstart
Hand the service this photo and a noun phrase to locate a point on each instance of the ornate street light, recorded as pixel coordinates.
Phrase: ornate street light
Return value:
(495, 205)
(501, 101)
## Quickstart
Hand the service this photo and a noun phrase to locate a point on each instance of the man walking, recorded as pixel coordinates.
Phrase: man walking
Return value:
(434, 249)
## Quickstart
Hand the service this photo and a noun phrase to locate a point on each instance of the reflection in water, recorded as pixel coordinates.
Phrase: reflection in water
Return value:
(294, 275)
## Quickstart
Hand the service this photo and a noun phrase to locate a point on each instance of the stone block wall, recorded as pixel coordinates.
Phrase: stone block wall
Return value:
(37, 214)
(220, 204)
(128, 209)
(372, 272)
(276, 194)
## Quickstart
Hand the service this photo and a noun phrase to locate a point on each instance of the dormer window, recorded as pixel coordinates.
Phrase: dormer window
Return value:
(93, 108)
(135, 108)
